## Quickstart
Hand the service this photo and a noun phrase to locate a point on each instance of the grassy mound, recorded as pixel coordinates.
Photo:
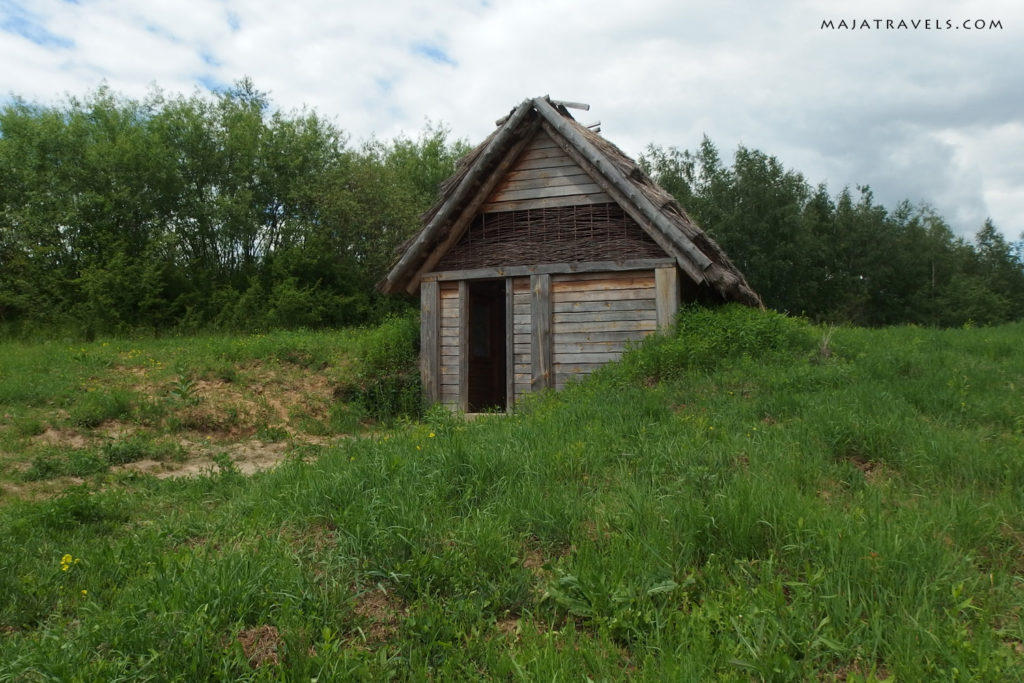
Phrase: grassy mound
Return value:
(750, 497)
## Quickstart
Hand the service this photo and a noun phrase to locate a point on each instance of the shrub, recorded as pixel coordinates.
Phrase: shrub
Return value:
(704, 338)
(95, 408)
(384, 380)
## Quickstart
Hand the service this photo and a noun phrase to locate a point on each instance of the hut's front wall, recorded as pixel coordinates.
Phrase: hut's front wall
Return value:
(560, 327)
(595, 316)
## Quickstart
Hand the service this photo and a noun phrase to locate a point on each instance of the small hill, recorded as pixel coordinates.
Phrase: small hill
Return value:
(751, 497)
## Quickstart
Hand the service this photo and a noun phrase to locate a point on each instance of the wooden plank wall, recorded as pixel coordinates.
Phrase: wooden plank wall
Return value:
(430, 333)
(595, 315)
(523, 370)
(544, 177)
(449, 346)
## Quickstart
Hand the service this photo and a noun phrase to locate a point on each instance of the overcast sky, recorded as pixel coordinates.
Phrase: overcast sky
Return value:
(931, 114)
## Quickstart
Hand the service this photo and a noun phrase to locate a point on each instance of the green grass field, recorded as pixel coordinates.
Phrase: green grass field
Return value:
(752, 498)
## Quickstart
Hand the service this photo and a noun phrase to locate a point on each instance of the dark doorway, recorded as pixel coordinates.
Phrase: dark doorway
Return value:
(486, 345)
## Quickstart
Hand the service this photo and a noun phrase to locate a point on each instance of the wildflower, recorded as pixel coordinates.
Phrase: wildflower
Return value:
(431, 435)
(66, 561)
(85, 593)
(418, 447)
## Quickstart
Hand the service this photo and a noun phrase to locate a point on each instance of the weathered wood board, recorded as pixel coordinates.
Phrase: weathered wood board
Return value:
(449, 343)
(596, 316)
(544, 176)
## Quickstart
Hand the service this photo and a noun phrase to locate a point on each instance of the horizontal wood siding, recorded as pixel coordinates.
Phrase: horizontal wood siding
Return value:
(544, 177)
(596, 316)
(449, 344)
(520, 334)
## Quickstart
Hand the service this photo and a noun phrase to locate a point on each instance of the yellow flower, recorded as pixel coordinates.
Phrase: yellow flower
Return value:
(85, 593)
(65, 567)
(431, 435)
(66, 559)
(418, 448)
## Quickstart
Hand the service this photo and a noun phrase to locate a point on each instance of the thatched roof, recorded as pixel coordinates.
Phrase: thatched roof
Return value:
(654, 209)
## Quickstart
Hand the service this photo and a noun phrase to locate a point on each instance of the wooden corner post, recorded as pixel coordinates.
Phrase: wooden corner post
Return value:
(540, 334)
(430, 332)
(510, 337)
(666, 287)
(463, 346)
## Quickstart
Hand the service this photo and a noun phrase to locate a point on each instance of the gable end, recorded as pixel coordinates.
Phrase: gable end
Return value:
(567, 234)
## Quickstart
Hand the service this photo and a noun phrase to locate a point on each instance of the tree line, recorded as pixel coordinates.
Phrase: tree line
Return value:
(219, 211)
(842, 258)
(199, 212)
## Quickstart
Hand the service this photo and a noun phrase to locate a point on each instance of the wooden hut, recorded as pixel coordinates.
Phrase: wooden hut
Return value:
(547, 252)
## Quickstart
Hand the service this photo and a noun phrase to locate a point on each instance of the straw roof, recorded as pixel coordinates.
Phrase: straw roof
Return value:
(654, 209)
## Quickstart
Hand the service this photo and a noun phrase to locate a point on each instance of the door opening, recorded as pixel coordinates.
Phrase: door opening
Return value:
(487, 339)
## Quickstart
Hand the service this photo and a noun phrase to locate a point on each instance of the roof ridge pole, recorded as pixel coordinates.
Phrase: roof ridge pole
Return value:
(615, 177)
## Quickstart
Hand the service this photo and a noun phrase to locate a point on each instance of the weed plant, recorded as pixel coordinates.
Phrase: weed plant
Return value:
(764, 504)
(384, 380)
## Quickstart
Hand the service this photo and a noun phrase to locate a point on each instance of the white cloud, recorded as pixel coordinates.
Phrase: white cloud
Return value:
(927, 115)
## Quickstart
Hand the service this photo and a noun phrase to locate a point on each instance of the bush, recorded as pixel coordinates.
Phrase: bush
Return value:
(384, 380)
(95, 408)
(704, 338)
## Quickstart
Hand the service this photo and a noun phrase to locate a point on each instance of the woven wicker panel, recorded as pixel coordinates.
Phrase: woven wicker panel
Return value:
(567, 234)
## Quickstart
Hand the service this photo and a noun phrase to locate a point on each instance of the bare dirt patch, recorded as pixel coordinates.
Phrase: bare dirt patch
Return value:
(857, 671)
(66, 438)
(209, 417)
(260, 645)
(381, 612)
(874, 472)
(249, 457)
(508, 627)
(533, 561)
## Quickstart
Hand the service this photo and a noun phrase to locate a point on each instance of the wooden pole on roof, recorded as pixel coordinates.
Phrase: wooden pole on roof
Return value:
(570, 105)
(466, 187)
(621, 183)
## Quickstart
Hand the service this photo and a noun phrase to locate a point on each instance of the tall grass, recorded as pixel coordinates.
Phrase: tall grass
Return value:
(746, 506)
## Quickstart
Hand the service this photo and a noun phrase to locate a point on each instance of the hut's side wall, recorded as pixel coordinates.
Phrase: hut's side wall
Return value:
(449, 344)
(523, 371)
(596, 315)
